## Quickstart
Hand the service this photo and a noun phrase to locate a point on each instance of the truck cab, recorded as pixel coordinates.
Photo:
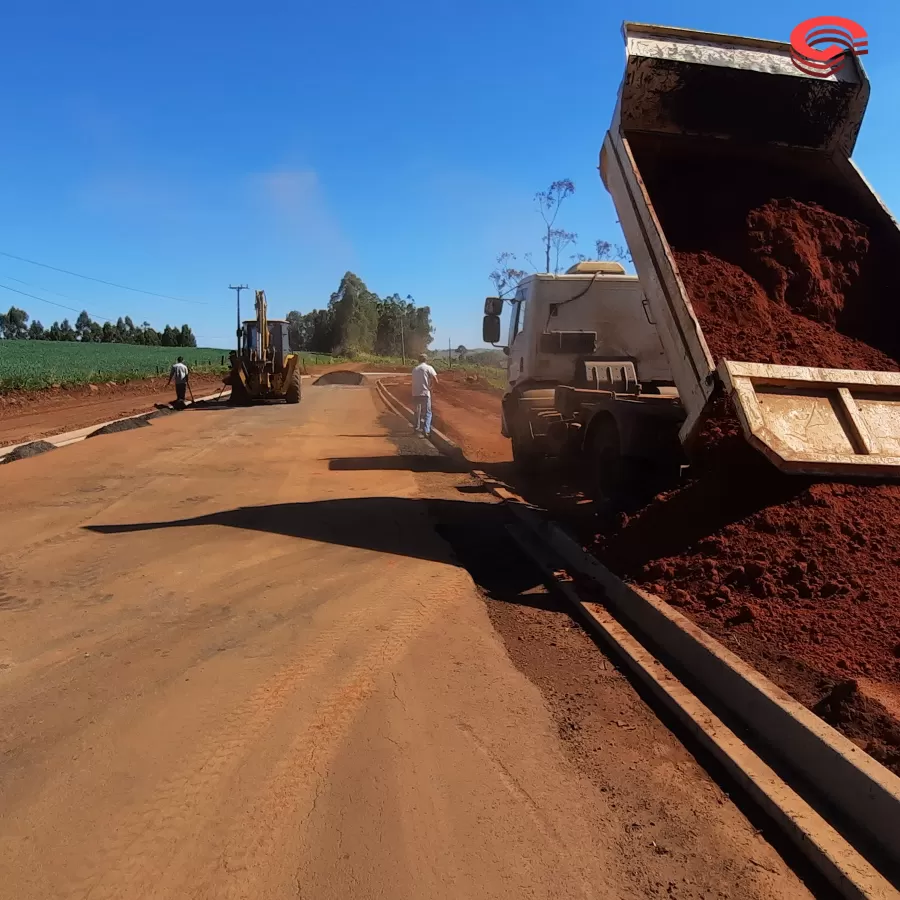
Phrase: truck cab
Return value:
(587, 328)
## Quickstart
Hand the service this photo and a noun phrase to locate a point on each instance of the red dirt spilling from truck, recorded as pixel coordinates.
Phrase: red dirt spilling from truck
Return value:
(806, 261)
(802, 579)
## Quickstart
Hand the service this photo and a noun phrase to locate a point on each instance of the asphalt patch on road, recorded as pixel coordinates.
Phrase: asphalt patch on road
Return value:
(122, 425)
(26, 451)
(341, 377)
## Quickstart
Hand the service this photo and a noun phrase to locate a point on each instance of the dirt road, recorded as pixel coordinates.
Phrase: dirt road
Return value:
(284, 652)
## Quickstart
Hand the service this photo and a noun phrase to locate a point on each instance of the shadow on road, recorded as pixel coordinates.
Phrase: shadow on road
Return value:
(459, 532)
(403, 463)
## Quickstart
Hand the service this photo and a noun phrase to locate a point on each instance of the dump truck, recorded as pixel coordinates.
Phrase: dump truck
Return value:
(587, 373)
(263, 367)
(706, 125)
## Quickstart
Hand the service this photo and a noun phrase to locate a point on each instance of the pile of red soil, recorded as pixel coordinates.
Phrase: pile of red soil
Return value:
(806, 262)
(801, 578)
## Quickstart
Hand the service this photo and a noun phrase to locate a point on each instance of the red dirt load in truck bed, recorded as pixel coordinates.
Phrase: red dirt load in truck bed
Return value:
(806, 260)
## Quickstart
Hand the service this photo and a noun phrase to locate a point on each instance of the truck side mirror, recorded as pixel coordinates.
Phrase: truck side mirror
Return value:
(493, 306)
(490, 329)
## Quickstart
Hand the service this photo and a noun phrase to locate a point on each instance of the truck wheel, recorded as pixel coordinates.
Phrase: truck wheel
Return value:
(618, 481)
(525, 457)
(604, 465)
(292, 394)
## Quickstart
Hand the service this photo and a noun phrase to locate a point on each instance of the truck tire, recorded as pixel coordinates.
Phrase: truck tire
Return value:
(616, 480)
(603, 463)
(292, 394)
(525, 457)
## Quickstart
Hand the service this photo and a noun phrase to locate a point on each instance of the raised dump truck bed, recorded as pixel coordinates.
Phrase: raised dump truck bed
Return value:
(709, 128)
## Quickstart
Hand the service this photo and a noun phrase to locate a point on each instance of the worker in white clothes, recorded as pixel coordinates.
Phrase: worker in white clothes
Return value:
(181, 375)
(423, 377)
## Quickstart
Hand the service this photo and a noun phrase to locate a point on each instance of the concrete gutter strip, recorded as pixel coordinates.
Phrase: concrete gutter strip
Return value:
(864, 793)
(859, 788)
(438, 438)
(845, 868)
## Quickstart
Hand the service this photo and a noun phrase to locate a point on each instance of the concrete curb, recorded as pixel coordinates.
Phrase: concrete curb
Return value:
(438, 438)
(79, 434)
(845, 868)
(863, 791)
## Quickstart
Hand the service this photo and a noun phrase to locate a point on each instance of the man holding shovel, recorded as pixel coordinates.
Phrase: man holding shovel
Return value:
(182, 380)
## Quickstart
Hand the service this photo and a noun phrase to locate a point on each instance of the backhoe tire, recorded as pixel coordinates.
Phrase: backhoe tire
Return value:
(238, 395)
(292, 395)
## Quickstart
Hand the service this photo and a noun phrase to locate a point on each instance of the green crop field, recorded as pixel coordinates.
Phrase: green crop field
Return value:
(26, 365)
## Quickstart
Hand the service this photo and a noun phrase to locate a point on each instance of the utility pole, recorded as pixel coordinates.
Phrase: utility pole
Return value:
(449, 353)
(238, 288)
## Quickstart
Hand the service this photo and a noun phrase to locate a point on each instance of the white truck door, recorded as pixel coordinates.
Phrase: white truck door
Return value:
(518, 338)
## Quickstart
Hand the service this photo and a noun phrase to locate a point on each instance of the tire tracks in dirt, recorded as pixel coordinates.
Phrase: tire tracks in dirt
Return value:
(250, 848)
(138, 846)
(147, 841)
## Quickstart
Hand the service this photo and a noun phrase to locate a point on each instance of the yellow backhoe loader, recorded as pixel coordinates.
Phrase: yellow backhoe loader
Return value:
(263, 367)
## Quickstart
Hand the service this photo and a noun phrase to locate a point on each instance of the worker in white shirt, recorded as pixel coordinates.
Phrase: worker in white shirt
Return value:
(423, 377)
(181, 375)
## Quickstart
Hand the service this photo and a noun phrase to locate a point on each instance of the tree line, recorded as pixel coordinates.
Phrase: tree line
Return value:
(14, 325)
(556, 242)
(358, 321)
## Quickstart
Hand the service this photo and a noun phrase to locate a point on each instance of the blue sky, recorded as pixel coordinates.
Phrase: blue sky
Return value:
(279, 145)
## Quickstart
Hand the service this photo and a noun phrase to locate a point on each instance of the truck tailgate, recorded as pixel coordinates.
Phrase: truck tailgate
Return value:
(827, 422)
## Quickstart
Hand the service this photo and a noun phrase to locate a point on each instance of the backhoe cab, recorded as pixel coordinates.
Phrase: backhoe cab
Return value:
(263, 367)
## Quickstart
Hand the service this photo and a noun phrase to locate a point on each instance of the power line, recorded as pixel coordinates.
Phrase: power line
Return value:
(123, 287)
(6, 287)
(46, 290)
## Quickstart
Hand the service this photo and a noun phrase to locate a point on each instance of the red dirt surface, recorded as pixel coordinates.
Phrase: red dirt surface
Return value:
(26, 416)
(816, 607)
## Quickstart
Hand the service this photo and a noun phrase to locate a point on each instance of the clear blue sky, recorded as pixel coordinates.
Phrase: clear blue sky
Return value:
(281, 144)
